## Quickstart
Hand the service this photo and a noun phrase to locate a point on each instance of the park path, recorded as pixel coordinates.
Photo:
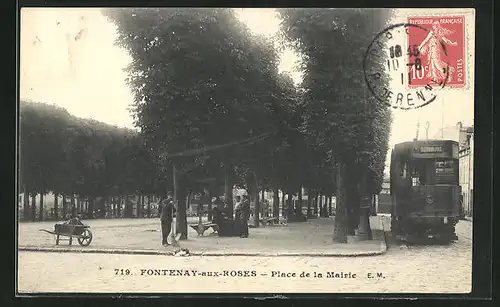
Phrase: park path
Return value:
(311, 237)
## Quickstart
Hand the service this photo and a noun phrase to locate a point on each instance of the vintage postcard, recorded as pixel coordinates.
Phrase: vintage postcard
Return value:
(253, 150)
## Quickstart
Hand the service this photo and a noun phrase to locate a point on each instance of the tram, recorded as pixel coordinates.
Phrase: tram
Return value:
(425, 190)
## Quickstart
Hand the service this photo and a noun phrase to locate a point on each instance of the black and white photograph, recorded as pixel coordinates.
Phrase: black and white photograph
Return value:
(245, 150)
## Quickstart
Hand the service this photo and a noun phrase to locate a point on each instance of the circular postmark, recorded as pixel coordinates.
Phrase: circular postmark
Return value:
(402, 53)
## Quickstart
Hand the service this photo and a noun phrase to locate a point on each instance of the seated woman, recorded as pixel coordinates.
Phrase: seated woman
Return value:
(225, 224)
(216, 216)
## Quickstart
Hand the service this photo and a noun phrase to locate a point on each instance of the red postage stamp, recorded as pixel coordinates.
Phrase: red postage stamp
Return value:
(438, 53)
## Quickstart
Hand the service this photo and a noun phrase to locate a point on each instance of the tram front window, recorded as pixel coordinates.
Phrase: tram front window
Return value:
(419, 173)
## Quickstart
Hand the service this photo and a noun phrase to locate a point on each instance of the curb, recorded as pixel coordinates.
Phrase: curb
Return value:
(169, 253)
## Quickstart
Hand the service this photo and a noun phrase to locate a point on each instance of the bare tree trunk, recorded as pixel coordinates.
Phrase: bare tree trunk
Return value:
(112, 207)
(263, 208)
(56, 206)
(298, 209)
(149, 206)
(65, 207)
(276, 203)
(309, 202)
(352, 202)
(73, 205)
(228, 189)
(289, 204)
(115, 206)
(78, 205)
(330, 205)
(41, 207)
(208, 197)
(255, 196)
(108, 206)
(181, 226)
(119, 206)
(128, 207)
(141, 212)
(316, 204)
(26, 205)
(189, 199)
(340, 228)
(33, 207)
(90, 209)
(283, 203)
(180, 200)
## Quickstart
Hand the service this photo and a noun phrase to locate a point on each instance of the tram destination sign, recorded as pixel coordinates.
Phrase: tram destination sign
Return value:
(429, 149)
(435, 150)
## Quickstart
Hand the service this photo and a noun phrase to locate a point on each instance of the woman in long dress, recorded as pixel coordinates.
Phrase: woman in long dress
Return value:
(238, 216)
(431, 48)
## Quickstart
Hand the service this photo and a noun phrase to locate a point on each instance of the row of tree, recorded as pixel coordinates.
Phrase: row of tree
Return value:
(81, 159)
(341, 117)
(202, 80)
(97, 168)
(214, 111)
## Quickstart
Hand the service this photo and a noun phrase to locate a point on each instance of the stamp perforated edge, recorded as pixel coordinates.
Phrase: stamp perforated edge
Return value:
(469, 17)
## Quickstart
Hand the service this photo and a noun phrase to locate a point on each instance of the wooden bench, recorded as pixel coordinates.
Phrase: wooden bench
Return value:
(268, 221)
(201, 228)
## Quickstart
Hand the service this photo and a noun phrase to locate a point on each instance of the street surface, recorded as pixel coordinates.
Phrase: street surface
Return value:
(421, 269)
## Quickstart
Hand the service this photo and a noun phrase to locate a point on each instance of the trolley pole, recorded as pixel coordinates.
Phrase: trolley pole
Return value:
(442, 118)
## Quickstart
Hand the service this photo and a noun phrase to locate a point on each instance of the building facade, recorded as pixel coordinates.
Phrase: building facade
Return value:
(466, 173)
(464, 135)
(458, 133)
(383, 203)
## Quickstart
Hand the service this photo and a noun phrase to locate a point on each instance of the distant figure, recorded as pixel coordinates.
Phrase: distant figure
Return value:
(226, 225)
(166, 209)
(218, 203)
(238, 215)
(461, 209)
(245, 210)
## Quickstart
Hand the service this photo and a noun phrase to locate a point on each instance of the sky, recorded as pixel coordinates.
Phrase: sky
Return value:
(86, 75)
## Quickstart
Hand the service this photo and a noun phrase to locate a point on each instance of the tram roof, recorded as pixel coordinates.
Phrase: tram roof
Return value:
(409, 146)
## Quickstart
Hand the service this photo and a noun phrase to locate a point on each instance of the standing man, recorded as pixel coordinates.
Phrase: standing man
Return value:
(166, 210)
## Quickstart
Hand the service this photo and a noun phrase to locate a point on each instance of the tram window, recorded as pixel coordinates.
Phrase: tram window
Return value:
(419, 173)
(404, 170)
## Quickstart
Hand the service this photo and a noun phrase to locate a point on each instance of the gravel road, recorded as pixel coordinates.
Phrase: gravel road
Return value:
(421, 269)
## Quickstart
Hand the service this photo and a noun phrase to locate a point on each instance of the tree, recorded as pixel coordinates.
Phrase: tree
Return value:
(72, 156)
(201, 84)
(41, 139)
(341, 116)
